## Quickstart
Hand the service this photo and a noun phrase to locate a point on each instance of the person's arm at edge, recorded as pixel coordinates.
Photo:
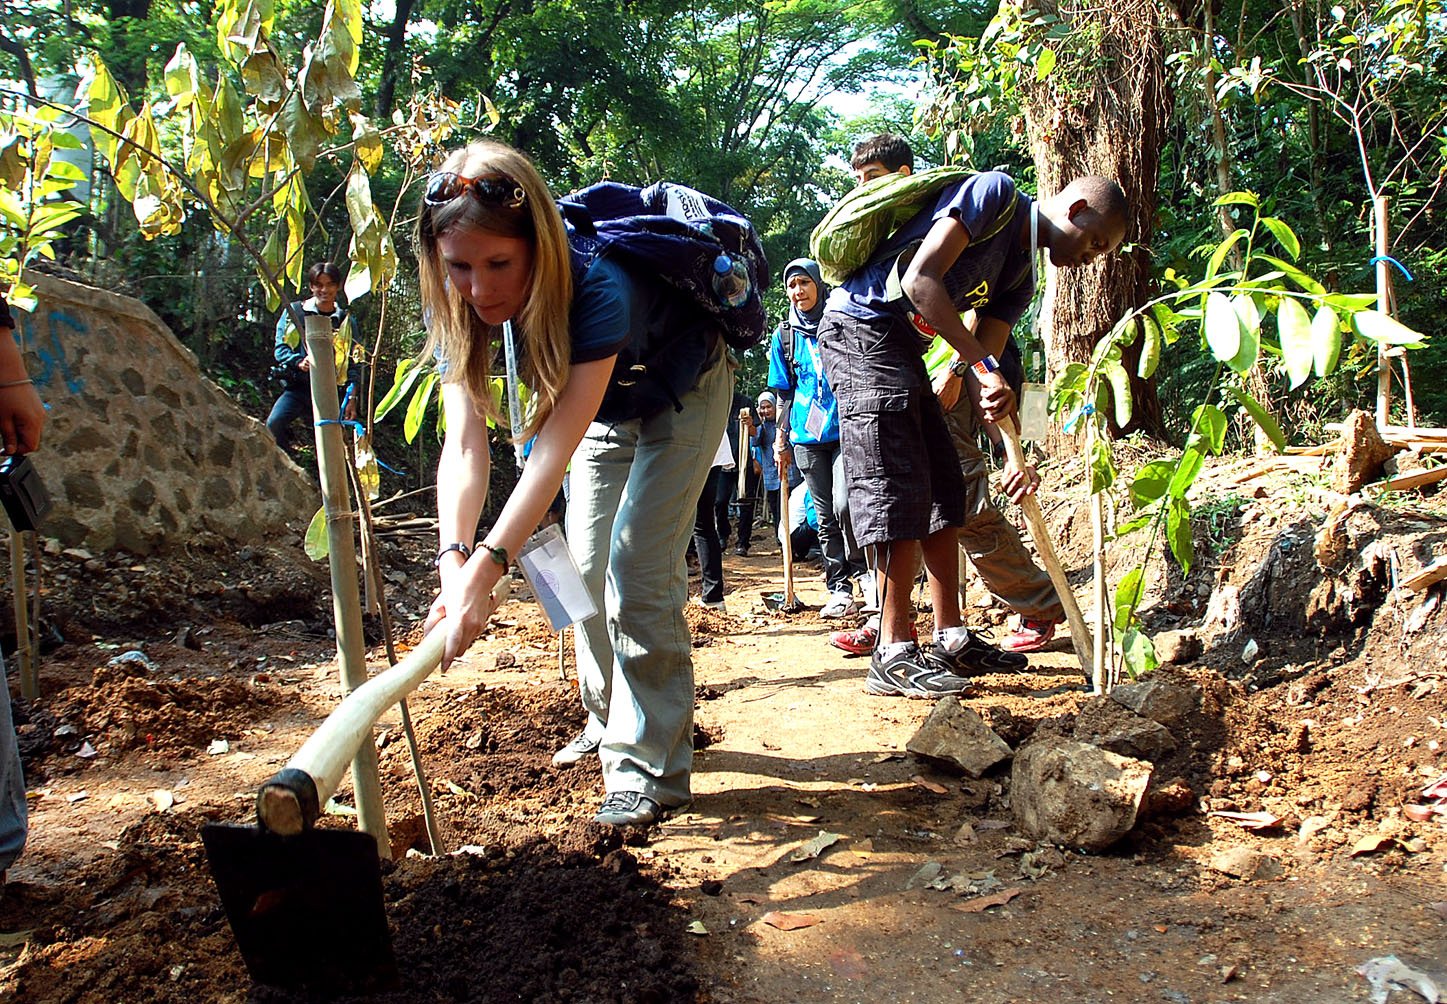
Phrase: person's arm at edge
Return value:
(22, 415)
(923, 283)
(467, 585)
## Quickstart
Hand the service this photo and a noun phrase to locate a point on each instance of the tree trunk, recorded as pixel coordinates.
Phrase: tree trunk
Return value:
(1103, 111)
(394, 52)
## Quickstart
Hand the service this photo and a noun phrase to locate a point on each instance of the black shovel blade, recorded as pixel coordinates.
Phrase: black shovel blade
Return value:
(306, 910)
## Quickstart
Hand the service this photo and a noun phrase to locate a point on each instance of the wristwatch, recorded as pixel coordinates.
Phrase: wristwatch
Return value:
(959, 368)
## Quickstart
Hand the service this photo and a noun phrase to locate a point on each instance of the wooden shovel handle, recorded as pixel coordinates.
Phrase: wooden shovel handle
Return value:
(786, 539)
(290, 801)
(1080, 635)
(743, 460)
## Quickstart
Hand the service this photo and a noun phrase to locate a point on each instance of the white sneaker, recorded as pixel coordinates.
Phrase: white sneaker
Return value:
(841, 604)
(581, 746)
(720, 605)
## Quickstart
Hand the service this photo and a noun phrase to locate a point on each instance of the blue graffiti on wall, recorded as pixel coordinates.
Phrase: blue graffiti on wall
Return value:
(52, 354)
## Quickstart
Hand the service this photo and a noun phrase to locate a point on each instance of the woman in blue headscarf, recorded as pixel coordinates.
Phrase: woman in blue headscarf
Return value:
(809, 428)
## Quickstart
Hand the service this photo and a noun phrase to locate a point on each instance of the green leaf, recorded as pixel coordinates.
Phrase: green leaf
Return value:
(1133, 524)
(1223, 328)
(1376, 326)
(1151, 482)
(1128, 596)
(1044, 64)
(1296, 275)
(1119, 389)
(1102, 471)
(1209, 424)
(1294, 328)
(316, 543)
(1261, 416)
(1239, 199)
(1178, 533)
(1222, 250)
(1139, 653)
(417, 407)
(1187, 468)
(1250, 316)
(1284, 235)
(1325, 341)
(1150, 356)
(1169, 321)
(408, 370)
(1350, 302)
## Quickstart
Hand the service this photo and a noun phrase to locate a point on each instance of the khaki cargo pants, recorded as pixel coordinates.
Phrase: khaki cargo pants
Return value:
(990, 541)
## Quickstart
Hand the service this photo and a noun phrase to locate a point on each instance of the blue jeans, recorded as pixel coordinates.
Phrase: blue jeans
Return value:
(295, 402)
(12, 783)
(634, 491)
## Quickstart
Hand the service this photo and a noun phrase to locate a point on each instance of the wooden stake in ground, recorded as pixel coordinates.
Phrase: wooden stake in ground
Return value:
(1080, 636)
(25, 654)
(342, 555)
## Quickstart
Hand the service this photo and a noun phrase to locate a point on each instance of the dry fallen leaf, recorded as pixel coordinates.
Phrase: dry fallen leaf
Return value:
(1250, 820)
(1422, 813)
(929, 785)
(162, 799)
(1372, 843)
(815, 847)
(789, 921)
(982, 903)
(218, 747)
(696, 928)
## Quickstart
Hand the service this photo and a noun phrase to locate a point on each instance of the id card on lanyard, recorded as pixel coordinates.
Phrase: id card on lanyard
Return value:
(816, 418)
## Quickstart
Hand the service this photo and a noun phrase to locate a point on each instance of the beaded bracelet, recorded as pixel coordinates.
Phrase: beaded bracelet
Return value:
(499, 554)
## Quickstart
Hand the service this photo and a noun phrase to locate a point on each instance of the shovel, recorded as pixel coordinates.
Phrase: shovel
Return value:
(1080, 635)
(305, 904)
(785, 601)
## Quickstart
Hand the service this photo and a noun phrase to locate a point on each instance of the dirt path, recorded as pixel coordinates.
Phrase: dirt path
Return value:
(112, 900)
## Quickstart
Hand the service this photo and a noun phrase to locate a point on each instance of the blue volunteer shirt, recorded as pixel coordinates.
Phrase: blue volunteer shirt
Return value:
(602, 316)
(814, 414)
(992, 276)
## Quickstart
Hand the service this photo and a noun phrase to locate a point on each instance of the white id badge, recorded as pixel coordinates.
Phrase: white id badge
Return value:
(815, 421)
(553, 574)
(1034, 415)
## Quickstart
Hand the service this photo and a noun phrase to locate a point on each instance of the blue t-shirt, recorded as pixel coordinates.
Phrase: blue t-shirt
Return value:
(814, 414)
(602, 316)
(991, 276)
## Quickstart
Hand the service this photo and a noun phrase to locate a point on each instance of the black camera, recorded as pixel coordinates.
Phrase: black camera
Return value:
(23, 493)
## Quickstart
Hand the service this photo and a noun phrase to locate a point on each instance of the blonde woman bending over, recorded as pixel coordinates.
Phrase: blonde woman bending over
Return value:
(492, 248)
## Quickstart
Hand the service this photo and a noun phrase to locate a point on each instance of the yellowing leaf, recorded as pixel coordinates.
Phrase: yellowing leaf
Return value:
(316, 543)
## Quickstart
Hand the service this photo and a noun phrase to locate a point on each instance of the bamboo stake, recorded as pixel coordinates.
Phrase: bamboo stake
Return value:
(1080, 634)
(342, 554)
(1384, 292)
(1100, 651)
(24, 651)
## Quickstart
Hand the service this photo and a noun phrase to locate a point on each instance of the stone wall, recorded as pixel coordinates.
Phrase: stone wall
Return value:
(140, 450)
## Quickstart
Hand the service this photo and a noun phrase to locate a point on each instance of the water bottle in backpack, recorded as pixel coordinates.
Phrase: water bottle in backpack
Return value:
(731, 280)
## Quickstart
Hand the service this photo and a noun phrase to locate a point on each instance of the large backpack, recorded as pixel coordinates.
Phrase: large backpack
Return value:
(667, 238)
(851, 233)
(676, 234)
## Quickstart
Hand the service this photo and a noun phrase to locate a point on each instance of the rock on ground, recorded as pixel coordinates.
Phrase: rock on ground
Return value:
(1068, 792)
(955, 734)
(1162, 702)
(1104, 723)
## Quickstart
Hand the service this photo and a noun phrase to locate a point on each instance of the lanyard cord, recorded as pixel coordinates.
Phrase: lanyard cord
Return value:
(514, 402)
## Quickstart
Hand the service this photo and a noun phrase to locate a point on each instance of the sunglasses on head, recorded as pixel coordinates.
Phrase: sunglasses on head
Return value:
(444, 186)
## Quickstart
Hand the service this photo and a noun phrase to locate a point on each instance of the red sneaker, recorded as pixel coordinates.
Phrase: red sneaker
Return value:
(861, 640)
(1030, 636)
